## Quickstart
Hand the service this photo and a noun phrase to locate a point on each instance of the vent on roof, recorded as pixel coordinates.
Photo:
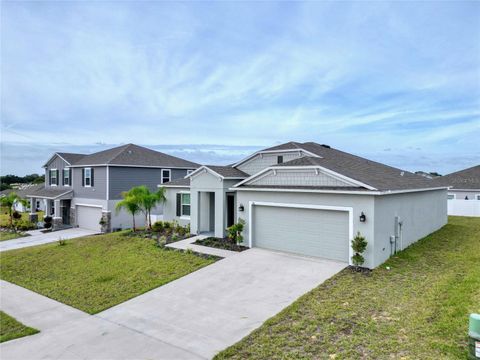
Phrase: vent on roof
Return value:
(129, 151)
(326, 146)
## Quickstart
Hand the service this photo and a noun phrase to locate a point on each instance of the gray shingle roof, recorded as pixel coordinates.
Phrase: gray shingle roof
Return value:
(377, 175)
(134, 155)
(24, 190)
(463, 179)
(71, 157)
(178, 182)
(44, 192)
(228, 171)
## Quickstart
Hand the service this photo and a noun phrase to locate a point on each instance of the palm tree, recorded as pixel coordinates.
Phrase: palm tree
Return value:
(130, 204)
(9, 201)
(148, 200)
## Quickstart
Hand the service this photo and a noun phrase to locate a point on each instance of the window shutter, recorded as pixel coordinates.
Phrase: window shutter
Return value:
(49, 177)
(91, 177)
(57, 175)
(63, 177)
(83, 177)
(179, 204)
(70, 176)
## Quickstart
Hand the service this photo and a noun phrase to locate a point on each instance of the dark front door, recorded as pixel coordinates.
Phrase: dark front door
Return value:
(230, 209)
(66, 212)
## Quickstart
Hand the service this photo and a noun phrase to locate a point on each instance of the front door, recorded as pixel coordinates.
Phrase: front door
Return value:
(66, 212)
(230, 209)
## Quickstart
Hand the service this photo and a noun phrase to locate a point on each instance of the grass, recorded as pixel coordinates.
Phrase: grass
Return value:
(6, 235)
(12, 329)
(416, 310)
(4, 218)
(96, 272)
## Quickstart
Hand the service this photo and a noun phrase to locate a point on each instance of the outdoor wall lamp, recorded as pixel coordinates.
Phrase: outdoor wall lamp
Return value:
(363, 217)
(241, 208)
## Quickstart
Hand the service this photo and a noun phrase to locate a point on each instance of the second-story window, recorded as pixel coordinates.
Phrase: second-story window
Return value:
(66, 177)
(87, 177)
(166, 176)
(53, 176)
(279, 159)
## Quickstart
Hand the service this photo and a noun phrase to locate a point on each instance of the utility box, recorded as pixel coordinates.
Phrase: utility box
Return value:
(474, 337)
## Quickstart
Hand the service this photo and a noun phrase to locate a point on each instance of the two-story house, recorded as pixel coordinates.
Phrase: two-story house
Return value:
(83, 189)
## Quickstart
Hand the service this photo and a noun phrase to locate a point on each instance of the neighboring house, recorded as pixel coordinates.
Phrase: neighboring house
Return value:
(80, 190)
(310, 199)
(463, 192)
(21, 191)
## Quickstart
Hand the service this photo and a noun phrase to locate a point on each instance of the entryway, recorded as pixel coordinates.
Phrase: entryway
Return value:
(206, 213)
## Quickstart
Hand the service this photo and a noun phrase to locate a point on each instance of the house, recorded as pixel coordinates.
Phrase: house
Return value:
(463, 192)
(82, 189)
(21, 191)
(310, 199)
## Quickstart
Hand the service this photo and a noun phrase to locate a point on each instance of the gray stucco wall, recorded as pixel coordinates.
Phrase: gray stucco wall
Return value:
(421, 212)
(124, 178)
(170, 207)
(99, 188)
(359, 203)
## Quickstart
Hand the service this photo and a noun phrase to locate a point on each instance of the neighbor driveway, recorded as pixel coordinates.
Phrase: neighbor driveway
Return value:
(38, 238)
(193, 317)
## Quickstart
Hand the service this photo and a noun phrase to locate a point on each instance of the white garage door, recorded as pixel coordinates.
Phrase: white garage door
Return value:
(88, 217)
(312, 232)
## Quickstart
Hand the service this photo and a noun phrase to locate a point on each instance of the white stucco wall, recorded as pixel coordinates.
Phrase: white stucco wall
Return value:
(170, 207)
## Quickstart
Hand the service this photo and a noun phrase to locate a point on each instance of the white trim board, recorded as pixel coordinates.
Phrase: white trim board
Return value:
(204, 169)
(274, 152)
(348, 209)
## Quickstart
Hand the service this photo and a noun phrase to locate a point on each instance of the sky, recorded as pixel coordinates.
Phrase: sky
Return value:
(212, 82)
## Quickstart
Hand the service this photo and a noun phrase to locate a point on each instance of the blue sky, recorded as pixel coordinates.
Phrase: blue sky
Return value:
(395, 82)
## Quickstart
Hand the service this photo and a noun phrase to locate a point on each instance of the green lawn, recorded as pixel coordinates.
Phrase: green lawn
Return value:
(417, 310)
(96, 272)
(12, 329)
(10, 235)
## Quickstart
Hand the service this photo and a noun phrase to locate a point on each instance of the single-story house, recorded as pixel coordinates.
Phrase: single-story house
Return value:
(22, 191)
(310, 199)
(463, 191)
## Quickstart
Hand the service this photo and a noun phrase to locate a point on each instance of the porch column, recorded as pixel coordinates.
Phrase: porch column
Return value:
(33, 217)
(48, 209)
(57, 217)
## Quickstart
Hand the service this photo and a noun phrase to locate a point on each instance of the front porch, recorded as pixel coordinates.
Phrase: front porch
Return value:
(58, 203)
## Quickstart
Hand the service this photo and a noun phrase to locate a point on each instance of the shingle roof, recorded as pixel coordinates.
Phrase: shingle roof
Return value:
(23, 191)
(71, 157)
(178, 182)
(468, 179)
(44, 192)
(228, 171)
(377, 175)
(134, 155)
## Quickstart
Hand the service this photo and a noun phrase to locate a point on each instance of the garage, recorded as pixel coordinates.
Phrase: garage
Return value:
(88, 217)
(305, 230)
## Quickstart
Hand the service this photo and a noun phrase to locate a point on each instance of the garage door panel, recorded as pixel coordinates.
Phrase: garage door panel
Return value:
(88, 217)
(312, 232)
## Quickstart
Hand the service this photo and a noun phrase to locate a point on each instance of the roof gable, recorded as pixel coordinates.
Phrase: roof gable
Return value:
(68, 158)
(466, 179)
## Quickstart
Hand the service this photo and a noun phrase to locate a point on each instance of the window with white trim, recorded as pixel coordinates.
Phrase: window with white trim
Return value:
(66, 177)
(166, 175)
(53, 177)
(185, 204)
(451, 196)
(87, 180)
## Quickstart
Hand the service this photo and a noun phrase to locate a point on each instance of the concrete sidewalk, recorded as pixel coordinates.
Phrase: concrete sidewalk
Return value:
(188, 244)
(39, 238)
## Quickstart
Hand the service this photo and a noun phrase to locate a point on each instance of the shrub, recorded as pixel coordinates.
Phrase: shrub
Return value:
(359, 245)
(235, 231)
(158, 226)
(47, 222)
(25, 225)
(161, 241)
(16, 215)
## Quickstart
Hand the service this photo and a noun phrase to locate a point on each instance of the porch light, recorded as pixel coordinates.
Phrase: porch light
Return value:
(363, 217)
(240, 207)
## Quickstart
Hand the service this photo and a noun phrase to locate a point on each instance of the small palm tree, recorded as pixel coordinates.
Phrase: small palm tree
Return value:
(148, 200)
(9, 201)
(130, 204)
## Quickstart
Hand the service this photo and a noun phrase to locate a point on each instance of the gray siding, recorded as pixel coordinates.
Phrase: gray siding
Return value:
(421, 213)
(99, 188)
(262, 161)
(303, 177)
(59, 164)
(124, 178)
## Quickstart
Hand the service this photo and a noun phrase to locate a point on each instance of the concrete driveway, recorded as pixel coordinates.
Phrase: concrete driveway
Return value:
(193, 317)
(38, 238)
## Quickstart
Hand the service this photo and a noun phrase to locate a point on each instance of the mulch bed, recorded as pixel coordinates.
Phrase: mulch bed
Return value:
(219, 243)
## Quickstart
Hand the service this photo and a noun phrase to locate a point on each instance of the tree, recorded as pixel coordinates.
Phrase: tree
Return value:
(9, 201)
(130, 204)
(148, 200)
(359, 245)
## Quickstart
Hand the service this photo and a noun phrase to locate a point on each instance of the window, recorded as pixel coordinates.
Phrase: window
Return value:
(66, 177)
(53, 177)
(87, 177)
(166, 175)
(190, 171)
(478, 196)
(38, 205)
(451, 196)
(185, 204)
(279, 159)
